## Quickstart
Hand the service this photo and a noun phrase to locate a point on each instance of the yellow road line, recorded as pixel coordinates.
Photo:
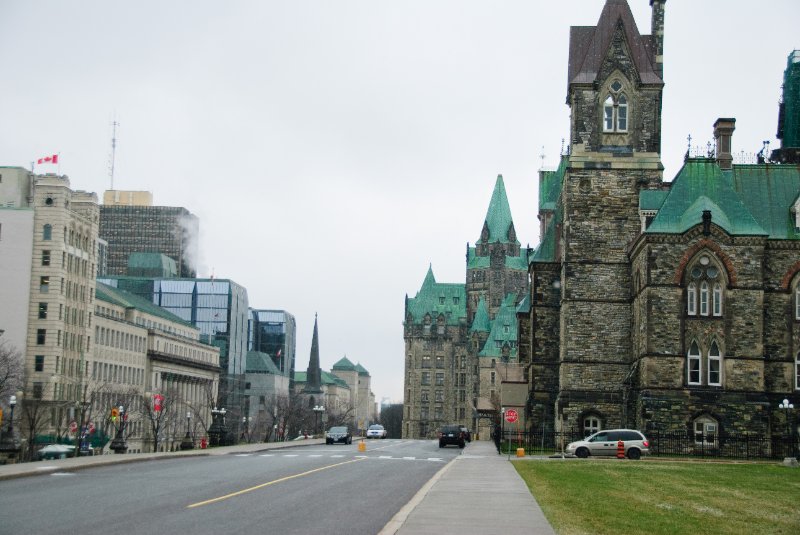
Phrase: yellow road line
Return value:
(268, 483)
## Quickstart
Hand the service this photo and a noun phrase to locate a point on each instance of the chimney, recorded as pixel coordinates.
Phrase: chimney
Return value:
(723, 132)
(657, 30)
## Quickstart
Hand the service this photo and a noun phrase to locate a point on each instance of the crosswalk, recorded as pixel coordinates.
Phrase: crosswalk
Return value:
(341, 456)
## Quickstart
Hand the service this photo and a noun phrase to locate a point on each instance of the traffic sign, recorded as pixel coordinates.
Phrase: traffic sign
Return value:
(511, 416)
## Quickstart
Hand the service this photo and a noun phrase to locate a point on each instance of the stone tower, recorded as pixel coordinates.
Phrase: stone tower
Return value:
(614, 93)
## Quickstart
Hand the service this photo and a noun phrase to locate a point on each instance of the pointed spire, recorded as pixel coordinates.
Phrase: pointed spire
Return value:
(430, 280)
(498, 222)
(314, 373)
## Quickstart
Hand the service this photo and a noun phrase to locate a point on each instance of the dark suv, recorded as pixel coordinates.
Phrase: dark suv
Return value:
(451, 435)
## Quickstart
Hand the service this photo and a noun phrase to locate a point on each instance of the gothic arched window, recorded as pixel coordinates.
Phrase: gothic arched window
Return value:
(704, 288)
(615, 109)
(694, 367)
(714, 365)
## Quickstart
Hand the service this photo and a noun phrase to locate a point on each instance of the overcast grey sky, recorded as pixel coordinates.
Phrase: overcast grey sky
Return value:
(334, 149)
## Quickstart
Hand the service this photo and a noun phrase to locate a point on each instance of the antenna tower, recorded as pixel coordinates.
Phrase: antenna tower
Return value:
(114, 125)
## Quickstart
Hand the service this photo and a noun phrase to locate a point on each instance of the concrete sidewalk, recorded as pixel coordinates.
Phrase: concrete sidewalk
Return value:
(479, 492)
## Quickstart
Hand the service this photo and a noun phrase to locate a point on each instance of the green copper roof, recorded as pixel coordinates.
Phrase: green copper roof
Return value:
(498, 217)
(344, 364)
(699, 186)
(550, 185)
(151, 265)
(524, 306)
(652, 199)
(361, 370)
(504, 330)
(125, 299)
(546, 252)
(769, 192)
(333, 379)
(327, 379)
(258, 362)
(481, 322)
(436, 298)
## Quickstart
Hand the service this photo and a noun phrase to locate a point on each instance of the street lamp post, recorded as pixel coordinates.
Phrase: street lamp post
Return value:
(246, 427)
(188, 442)
(216, 432)
(786, 407)
(9, 445)
(318, 409)
(12, 402)
(118, 444)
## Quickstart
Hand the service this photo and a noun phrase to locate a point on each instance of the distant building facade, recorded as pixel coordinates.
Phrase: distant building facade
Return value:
(457, 334)
(274, 332)
(130, 224)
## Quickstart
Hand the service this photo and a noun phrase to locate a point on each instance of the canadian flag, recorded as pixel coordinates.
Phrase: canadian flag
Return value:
(48, 159)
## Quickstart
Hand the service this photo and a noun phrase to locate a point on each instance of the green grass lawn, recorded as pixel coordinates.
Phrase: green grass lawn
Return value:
(654, 497)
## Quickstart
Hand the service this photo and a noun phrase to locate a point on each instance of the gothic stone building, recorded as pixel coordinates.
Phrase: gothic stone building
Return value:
(461, 339)
(657, 305)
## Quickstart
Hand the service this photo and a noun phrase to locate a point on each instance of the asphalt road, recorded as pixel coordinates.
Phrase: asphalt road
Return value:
(309, 489)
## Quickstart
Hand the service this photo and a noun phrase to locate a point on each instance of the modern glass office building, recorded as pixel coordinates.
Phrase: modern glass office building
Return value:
(274, 332)
(169, 230)
(218, 307)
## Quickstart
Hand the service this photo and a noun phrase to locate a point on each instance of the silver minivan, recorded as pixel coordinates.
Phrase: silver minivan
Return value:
(605, 443)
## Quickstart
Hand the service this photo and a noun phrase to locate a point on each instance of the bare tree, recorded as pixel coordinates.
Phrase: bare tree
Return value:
(159, 411)
(12, 368)
(35, 416)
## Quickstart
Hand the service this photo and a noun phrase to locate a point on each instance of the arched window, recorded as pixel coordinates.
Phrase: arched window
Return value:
(717, 299)
(622, 114)
(797, 302)
(704, 288)
(694, 367)
(608, 114)
(714, 365)
(705, 431)
(704, 298)
(47, 232)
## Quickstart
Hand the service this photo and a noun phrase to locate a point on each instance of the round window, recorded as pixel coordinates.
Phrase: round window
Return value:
(697, 273)
(712, 272)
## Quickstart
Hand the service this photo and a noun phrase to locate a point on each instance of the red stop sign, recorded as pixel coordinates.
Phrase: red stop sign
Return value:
(511, 416)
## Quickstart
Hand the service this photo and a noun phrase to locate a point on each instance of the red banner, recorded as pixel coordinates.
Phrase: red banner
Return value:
(157, 402)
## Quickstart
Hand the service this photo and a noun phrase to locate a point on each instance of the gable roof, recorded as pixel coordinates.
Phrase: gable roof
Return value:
(588, 45)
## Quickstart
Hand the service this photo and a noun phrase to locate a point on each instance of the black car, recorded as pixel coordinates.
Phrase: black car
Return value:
(451, 435)
(338, 434)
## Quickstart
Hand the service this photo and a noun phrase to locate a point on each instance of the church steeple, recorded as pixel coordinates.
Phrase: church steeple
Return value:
(314, 373)
(498, 225)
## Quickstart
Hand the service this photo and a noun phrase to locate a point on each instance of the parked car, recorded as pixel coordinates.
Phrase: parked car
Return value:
(376, 431)
(451, 435)
(467, 433)
(605, 443)
(338, 434)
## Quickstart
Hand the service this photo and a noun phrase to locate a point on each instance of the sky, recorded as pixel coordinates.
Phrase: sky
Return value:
(334, 150)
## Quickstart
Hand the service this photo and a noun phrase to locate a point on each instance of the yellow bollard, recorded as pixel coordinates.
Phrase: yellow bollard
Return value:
(520, 452)
(362, 446)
